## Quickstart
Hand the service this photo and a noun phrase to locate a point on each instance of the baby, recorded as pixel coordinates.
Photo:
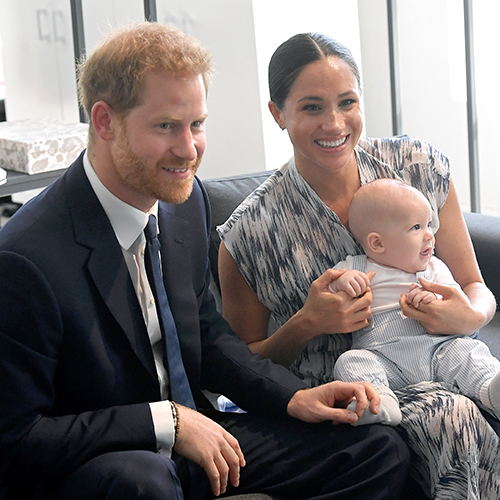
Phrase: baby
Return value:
(393, 223)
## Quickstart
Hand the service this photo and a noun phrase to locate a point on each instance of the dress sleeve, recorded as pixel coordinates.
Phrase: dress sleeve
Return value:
(415, 162)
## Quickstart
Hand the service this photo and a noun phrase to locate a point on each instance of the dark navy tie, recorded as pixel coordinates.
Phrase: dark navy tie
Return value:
(180, 391)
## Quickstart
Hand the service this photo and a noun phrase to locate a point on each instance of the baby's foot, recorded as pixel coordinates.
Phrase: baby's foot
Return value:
(388, 414)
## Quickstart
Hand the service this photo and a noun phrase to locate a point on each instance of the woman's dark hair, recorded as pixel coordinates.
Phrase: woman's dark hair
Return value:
(292, 56)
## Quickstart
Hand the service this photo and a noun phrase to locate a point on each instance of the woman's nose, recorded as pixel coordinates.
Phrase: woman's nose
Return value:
(335, 121)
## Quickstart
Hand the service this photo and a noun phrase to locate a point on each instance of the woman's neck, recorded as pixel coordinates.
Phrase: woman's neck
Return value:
(335, 189)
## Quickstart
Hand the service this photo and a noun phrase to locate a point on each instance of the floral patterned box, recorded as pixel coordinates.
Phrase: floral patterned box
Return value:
(39, 146)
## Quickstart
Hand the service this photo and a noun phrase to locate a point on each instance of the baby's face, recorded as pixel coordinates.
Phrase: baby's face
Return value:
(408, 238)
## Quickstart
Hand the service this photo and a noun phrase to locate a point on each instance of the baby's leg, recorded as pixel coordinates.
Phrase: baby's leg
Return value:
(361, 365)
(468, 364)
(490, 394)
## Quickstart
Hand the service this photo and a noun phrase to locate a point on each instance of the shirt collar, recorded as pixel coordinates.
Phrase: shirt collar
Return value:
(127, 221)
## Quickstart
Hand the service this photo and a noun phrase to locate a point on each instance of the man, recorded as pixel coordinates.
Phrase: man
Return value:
(87, 397)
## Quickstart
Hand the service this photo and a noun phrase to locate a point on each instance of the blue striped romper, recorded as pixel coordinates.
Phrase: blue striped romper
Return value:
(396, 351)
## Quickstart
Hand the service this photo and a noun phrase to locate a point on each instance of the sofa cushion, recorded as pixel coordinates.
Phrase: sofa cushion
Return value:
(225, 194)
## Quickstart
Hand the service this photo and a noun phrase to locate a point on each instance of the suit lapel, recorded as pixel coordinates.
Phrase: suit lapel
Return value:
(106, 264)
(111, 277)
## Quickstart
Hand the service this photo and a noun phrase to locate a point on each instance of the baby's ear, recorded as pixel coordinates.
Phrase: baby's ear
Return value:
(375, 243)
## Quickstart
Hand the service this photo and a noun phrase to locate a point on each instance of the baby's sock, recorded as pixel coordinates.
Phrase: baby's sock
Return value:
(490, 394)
(388, 414)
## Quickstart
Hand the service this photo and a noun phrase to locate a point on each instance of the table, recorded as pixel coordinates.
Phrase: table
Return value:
(19, 181)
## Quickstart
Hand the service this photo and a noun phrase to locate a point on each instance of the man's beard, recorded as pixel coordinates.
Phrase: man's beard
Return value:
(145, 179)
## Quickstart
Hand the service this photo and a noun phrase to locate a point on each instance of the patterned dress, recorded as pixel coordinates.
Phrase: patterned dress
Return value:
(283, 237)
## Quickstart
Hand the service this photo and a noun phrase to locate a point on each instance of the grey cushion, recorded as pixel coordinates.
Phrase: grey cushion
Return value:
(225, 194)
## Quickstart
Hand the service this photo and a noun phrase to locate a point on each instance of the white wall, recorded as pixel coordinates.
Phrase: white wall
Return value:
(243, 34)
(487, 45)
(376, 73)
(433, 84)
(432, 55)
(100, 15)
(432, 77)
(38, 57)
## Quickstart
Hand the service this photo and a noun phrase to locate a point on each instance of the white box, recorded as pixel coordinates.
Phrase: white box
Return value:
(40, 146)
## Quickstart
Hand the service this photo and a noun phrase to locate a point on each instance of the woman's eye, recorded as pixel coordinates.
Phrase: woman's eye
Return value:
(165, 126)
(311, 107)
(348, 102)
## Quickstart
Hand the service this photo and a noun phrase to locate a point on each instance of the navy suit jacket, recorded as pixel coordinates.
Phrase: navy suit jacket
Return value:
(76, 366)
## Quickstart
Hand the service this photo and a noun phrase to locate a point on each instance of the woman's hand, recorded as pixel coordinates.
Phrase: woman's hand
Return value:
(454, 247)
(451, 315)
(327, 312)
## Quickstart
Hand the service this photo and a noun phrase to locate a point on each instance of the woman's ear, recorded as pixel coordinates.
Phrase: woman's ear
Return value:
(103, 119)
(375, 243)
(277, 115)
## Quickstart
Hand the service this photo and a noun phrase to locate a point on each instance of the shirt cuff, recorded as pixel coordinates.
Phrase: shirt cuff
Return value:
(163, 422)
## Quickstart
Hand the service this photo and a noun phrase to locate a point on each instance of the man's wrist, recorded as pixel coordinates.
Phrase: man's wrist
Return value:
(176, 419)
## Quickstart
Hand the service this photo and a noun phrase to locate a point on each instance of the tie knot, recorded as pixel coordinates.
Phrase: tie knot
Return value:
(150, 230)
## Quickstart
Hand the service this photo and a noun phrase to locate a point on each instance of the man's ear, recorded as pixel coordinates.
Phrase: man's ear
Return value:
(277, 115)
(375, 243)
(103, 119)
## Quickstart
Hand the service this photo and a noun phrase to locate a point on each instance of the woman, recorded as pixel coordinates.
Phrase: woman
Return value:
(294, 228)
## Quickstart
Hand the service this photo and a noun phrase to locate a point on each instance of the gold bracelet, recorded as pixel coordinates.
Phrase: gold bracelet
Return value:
(176, 418)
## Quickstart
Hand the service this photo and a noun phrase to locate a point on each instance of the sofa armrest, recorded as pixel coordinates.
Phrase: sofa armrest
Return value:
(485, 234)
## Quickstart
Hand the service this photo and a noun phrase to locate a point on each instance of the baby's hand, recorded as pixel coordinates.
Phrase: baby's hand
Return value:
(354, 283)
(418, 295)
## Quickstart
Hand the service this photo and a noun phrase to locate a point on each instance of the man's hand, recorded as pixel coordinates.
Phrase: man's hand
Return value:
(329, 402)
(206, 443)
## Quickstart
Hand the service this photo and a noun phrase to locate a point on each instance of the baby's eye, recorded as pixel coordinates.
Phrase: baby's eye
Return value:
(416, 227)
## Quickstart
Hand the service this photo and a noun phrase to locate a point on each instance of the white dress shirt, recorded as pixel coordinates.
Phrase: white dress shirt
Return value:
(128, 224)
